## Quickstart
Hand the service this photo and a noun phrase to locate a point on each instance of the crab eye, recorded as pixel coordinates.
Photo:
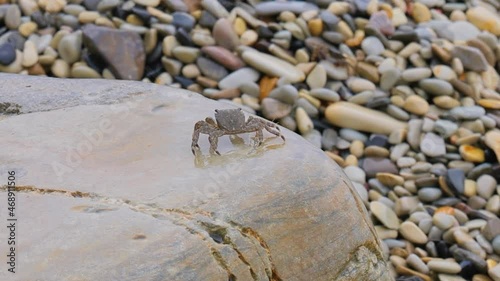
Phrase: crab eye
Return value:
(217, 110)
(239, 109)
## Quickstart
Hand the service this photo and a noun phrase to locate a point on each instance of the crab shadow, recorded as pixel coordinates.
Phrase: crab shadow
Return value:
(239, 151)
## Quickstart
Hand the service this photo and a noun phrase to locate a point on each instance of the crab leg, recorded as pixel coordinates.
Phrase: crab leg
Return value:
(196, 135)
(274, 130)
(260, 137)
(213, 139)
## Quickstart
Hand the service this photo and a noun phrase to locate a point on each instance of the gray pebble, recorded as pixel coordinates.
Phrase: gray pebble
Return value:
(429, 194)
(467, 112)
(436, 87)
(286, 93)
(371, 45)
(328, 139)
(351, 135)
(314, 137)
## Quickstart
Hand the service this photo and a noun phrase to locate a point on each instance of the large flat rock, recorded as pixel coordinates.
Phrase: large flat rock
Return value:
(108, 189)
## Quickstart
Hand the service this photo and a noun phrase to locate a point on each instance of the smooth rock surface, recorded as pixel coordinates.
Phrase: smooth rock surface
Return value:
(113, 170)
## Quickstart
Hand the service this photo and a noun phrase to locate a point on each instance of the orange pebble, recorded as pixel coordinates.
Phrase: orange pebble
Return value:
(266, 84)
(445, 210)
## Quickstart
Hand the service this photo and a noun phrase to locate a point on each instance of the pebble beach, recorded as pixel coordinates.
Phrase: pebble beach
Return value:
(403, 95)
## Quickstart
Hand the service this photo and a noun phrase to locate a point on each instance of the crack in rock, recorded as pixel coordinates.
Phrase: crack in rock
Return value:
(201, 224)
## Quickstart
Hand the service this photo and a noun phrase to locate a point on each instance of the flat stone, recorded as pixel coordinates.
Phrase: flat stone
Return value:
(389, 78)
(273, 66)
(486, 186)
(239, 77)
(492, 140)
(359, 85)
(461, 31)
(372, 166)
(380, 21)
(444, 266)
(273, 8)
(355, 174)
(183, 20)
(207, 19)
(12, 17)
(224, 34)
(123, 51)
(444, 72)
(433, 145)
(70, 47)
(347, 115)
(211, 69)
(223, 57)
(317, 77)
(455, 179)
(412, 233)
(436, 87)
(429, 194)
(471, 58)
(372, 46)
(286, 93)
(384, 214)
(186, 54)
(484, 19)
(416, 74)
(471, 153)
(7, 54)
(416, 105)
(30, 54)
(325, 94)
(467, 112)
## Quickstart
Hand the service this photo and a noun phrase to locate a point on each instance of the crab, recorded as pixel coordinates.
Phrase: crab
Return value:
(231, 122)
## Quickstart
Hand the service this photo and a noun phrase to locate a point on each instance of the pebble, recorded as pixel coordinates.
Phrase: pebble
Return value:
(416, 105)
(471, 58)
(186, 54)
(12, 17)
(467, 112)
(317, 77)
(69, 47)
(444, 72)
(384, 214)
(436, 87)
(486, 186)
(355, 174)
(372, 46)
(429, 194)
(273, 109)
(272, 8)
(60, 68)
(471, 153)
(30, 54)
(7, 54)
(412, 233)
(286, 93)
(273, 66)
(304, 122)
(416, 74)
(238, 77)
(484, 19)
(356, 117)
(210, 69)
(444, 266)
(433, 145)
(224, 34)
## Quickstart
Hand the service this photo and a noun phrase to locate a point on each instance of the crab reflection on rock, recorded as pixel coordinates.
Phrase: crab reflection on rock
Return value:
(231, 122)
